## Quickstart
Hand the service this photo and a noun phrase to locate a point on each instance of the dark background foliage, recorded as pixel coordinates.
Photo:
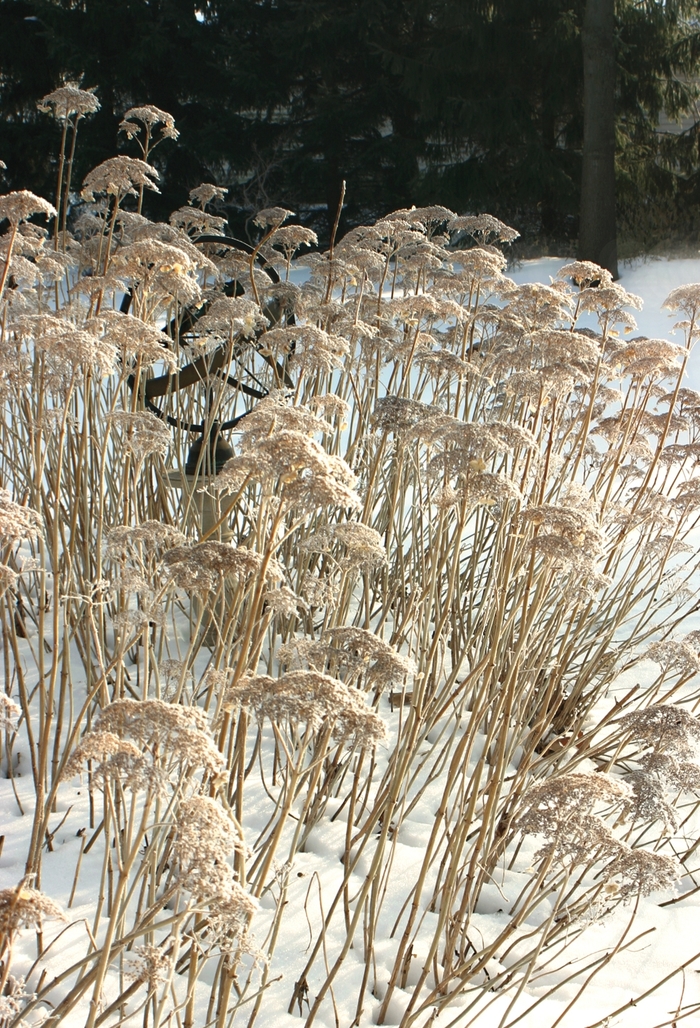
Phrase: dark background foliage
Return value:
(472, 104)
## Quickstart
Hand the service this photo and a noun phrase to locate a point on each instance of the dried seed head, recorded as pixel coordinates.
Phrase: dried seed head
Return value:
(204, 565)
(272, 217)
(205, 839)
(149, 116)
(205, 193)
(18, 206)
(16, 522)
(68, 100)
(24, 907)
(585, 274)
(667, 728)
(9, 713)
(151, 965)
(313, 698)
(119, 177)
(362, 546)
(151, 536)
(144, 433)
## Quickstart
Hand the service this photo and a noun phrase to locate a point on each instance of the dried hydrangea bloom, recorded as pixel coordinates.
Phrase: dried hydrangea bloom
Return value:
(118, 177)
(16, 522)
(666, 728)
(68, 100)
(151, 117)
(18, 206)
(585, 274)
(272, 217)
(312, 698)
(205, 193)
(144, 434)
(205, 839)
(363, 546)
(24, 907)
(10, 713)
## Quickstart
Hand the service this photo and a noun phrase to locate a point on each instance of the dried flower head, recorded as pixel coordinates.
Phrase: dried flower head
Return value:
(205, 193)
(119, 177)
(151, 536)
(585, 274)
(362, 546)
(24, 907)
(205, 839)
(18, 206)
(68, 100)
(484, 228)
(272, 217)
(667, 728)
(204, 565)
(150, 117)
(144, 434)
(151, 965)
(313, 698)
(9, 713)
(16, 522)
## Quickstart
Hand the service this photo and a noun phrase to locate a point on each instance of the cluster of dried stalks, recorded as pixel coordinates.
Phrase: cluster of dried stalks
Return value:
(456, 510)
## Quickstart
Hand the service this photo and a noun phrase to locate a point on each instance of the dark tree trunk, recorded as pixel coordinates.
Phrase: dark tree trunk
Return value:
(597, 233)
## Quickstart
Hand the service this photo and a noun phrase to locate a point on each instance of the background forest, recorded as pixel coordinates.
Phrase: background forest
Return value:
(477, 105)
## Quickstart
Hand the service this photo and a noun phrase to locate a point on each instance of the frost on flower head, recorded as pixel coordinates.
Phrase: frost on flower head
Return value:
(145, 743)
(667, 728)
(201, 567)
(585, 274)
(205, 193)
(68, 100)
(118, 176)
(16, 522)
(151, 117)
(313, 698)
(206, 838)
(18, 206)
(272, 217)
(24, 907)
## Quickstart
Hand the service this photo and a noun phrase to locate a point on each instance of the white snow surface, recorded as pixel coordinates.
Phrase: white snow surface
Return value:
(672, 930)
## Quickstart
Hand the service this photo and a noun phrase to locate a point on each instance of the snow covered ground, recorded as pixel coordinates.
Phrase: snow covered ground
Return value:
(666, 934)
